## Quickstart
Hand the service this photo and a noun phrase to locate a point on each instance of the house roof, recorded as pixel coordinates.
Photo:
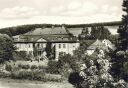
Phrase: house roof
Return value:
(49, 31)
(56, 34)
(75, 31)
(97, 44)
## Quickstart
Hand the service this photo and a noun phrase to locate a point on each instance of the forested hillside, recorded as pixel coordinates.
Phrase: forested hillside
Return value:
(12, 31)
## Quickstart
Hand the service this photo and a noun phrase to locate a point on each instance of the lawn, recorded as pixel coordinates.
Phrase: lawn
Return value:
(10, 83)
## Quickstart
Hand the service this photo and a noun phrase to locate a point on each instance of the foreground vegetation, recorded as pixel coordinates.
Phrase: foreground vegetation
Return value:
(11, 83)
(29, 70)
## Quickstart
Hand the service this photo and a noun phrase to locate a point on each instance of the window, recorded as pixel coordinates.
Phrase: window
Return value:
(64, 45)
(38, 45)
(59, 45)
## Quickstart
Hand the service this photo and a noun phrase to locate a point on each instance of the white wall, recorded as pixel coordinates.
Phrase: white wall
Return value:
(24, 47)
(68, 48)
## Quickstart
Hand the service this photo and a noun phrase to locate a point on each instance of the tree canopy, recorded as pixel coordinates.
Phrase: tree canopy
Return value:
(120, 56)
(6, 48)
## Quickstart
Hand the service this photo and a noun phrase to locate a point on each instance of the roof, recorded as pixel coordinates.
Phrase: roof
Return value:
(75, 31)
(97, 44)
(48, 31)
(56, 34)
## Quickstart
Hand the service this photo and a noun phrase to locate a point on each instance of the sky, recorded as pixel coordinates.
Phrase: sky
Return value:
(19, 12)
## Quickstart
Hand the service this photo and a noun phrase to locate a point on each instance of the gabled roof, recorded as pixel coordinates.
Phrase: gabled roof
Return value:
(41, 40)
(96, 44)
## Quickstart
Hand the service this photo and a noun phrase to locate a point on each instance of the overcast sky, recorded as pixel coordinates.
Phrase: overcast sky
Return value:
(17, 12)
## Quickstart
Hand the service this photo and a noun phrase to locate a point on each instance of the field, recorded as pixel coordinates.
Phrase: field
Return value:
(10, 83)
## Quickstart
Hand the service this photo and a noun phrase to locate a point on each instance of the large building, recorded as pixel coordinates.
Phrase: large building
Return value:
(58, 39)
(61, 39)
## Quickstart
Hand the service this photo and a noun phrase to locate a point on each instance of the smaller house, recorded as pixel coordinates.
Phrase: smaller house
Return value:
(100, 44)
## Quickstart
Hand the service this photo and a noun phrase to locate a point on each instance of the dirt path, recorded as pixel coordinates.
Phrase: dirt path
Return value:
(14, 84)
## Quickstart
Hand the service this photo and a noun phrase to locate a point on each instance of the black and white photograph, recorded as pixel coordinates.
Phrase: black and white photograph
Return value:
(63, 43)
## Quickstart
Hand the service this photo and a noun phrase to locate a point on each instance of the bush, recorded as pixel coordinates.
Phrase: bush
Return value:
(65, 70)
(35, 75)
(28, 74)
(33, 72)
(41, 67)
(21, 55)
(8, 67)
(34, 67)
(26, 66)
(53, 77)
(4, 74)
(52, 67)
(75, 78)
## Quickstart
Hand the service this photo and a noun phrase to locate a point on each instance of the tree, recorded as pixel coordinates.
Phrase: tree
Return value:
(113, 39)
(94, 32)
(93, 71)
(105, 33)
(6, 48)
(84, 34)
(48, 49)
(100, 32)
(120, 56)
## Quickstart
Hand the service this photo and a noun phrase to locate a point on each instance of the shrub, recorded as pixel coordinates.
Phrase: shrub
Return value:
(75, 78)
(26, 66)
(41, 67)
(38, 74)
(53, 77)
(28, 74)
(8, 67)
(31, 74)
(34, 67)
(21, 55)
(52, 67)
(65, 70)
(4, 74)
